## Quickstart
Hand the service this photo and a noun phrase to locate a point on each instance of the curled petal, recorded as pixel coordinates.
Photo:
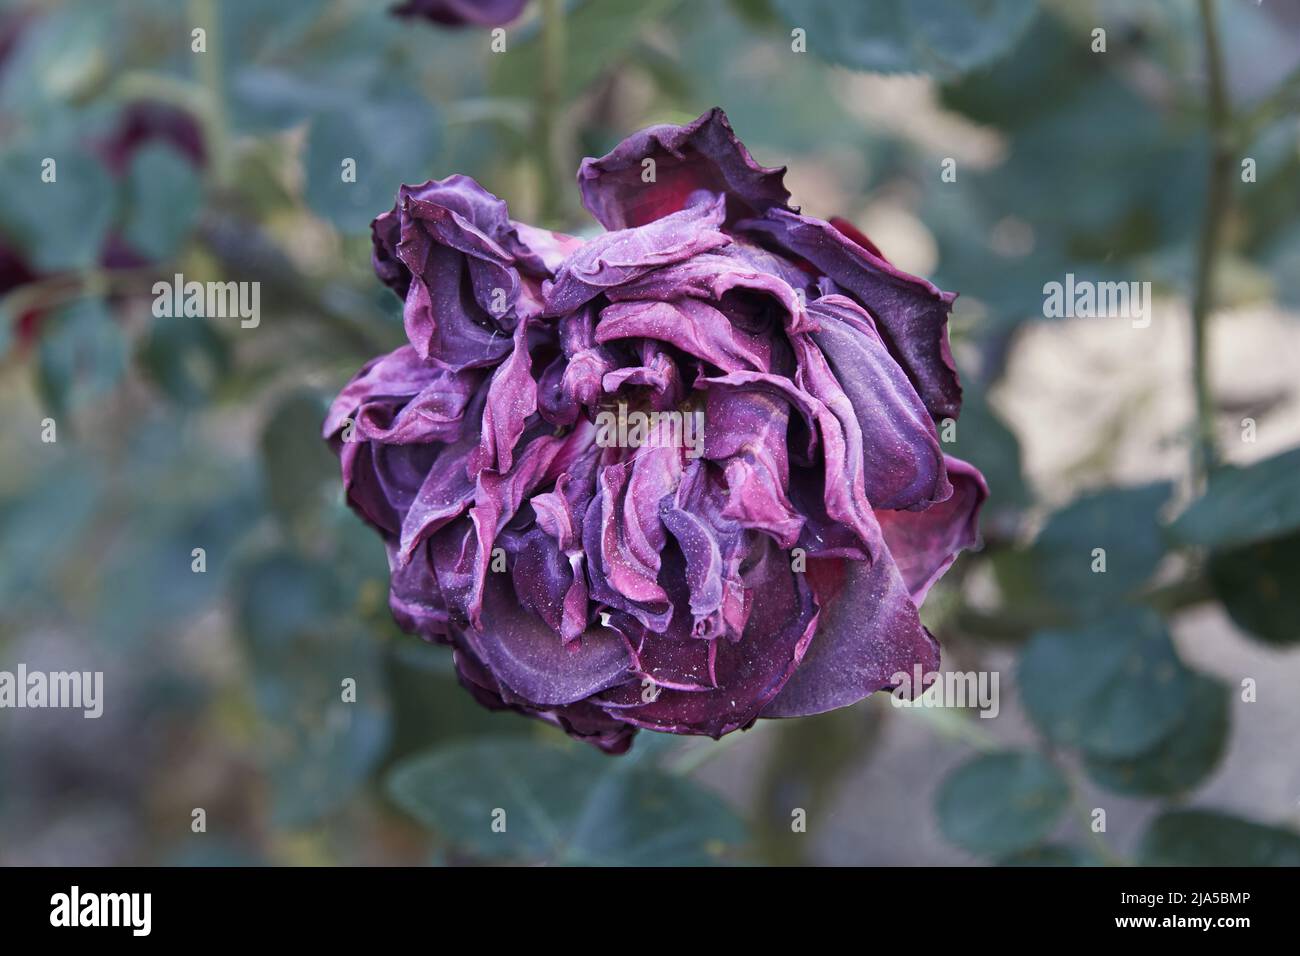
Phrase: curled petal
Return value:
(902, 461)
(691, 325)
(748, 673)
(912, 314)
(400, 398)
(925, 543)
(511, 401)
(614, 258)
(704, 154)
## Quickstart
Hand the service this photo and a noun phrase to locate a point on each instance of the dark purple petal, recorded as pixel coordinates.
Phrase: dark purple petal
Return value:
(749, 672)
(748, 438)
(691, 325)
(511, 401)
(902, 461)
(867, 635)
(450, 250)
(619, 257)
(415, 597)
(911, 314)
(704, 154)
(925, 543)
(530, 659)
(400, 398)
(581, 720)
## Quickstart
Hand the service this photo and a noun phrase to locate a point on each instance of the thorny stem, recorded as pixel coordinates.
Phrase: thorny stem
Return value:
(1216, 204)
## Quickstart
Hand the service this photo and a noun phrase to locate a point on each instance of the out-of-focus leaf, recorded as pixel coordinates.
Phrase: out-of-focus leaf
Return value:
(40, 526)
(1185, 757)
(58, 56)
(149, 582)
(58, 225)
(1259, 585)
(301, 475)
(563, 804)
(1049, 64)
(944, 37)
(1246, 504)
(1207, 838)
(319, 748)
(82, 354)
(1113, 687)
(391, 141)
(597, 34)
(164, 195)
(186, 357)
(1001, 803)
(1123, 522)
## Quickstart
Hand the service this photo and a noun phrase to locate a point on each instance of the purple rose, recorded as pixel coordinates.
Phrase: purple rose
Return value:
(756, 545)
(463, 13)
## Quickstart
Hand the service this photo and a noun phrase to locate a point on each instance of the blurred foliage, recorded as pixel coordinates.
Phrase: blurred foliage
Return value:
(178, 433)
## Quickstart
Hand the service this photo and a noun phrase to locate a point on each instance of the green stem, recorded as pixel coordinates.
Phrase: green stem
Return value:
(550, 93)
(204, 13)
(1216, 204)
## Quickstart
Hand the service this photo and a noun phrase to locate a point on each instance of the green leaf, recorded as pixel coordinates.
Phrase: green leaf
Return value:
(300, 472)
(1184, 758)
(185, 357)
(148, 582)
(1113, 687)
(82, 354)
(563, 804)
(1120, 521)
(391, 141)
(1207, 838)
(318, 748)
(1243, 505)
(1001, 803)
(597, 35)
(1258, 585)
(40, 527)
(58, 225)
(164, 193)
(944, 37)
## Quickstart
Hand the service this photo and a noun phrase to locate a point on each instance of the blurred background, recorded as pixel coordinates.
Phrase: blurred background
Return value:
(1148, 713)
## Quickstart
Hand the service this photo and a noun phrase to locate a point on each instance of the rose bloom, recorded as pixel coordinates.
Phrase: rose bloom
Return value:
(463, 13)
(775, 570)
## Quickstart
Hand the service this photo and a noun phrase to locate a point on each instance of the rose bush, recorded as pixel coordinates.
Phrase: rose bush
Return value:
(607, 589)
